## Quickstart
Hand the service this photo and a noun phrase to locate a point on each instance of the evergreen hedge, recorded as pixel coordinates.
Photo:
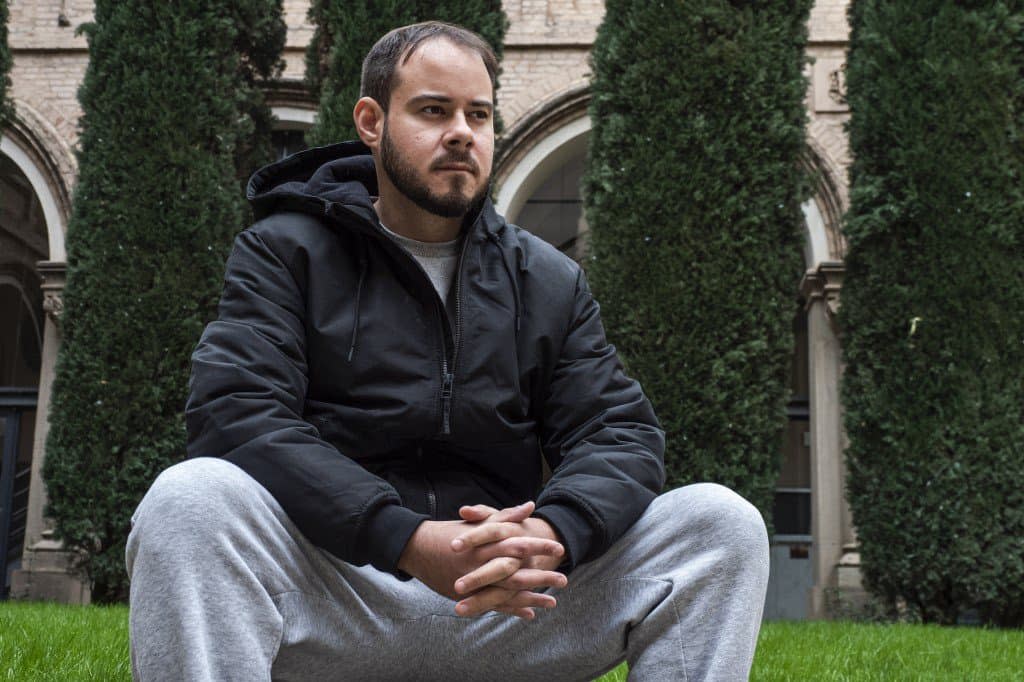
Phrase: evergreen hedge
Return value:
(933, 305)
(6, 108)
(168, 105)
(345, 32)
(693, 194)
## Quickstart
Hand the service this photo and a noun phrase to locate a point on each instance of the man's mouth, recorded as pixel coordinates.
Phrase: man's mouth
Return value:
(456, 167)
(453, 162)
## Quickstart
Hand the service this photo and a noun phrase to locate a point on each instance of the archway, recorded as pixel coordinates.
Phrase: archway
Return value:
(813, 530)
(540, 180)
(36, 164)
(23, 244)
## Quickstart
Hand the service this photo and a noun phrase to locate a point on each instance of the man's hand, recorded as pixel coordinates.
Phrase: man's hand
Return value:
(429, 557)
(492, 583)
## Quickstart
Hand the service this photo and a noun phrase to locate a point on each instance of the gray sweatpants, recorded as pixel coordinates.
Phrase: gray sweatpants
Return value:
(224, 587)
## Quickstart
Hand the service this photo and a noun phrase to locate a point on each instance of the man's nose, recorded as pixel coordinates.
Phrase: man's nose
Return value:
(459, 134)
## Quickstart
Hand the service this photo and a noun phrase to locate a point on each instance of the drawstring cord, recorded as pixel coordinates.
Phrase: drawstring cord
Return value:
(508, 271)
(359, 293)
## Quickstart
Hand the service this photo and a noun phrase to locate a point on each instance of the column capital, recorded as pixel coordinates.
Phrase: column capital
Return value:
(824, 284)
(54, 274)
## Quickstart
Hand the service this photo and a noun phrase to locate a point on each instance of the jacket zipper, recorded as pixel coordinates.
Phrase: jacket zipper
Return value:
(447, 377)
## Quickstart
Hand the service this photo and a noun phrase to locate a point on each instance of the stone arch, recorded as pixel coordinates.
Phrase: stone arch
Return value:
(37, 149)
(823, 212)
(542, 139)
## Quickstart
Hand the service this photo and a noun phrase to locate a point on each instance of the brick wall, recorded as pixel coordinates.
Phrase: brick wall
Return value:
(35, 23)
(828, 21)
(547, 52)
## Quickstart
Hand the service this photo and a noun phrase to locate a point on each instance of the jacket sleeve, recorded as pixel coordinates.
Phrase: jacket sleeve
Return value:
(601, 439)
(246, 395)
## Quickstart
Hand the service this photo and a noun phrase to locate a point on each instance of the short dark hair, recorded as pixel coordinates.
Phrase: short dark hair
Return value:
(379, 66)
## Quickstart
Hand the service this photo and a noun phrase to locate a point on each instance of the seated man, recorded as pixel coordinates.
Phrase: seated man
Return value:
(364, 497)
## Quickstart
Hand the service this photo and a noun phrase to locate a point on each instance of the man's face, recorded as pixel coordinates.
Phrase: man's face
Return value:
(437, 143)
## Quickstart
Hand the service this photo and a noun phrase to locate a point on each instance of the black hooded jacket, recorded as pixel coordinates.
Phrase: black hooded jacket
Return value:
(334, 377)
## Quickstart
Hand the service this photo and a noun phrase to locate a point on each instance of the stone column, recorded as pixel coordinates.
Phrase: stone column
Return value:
(45, 572)
(830, 521)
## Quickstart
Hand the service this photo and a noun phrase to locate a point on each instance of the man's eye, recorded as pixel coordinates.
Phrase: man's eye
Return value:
(433, 109)
(482, 115)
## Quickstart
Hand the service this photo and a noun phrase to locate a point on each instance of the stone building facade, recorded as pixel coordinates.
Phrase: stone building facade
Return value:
(543, 101)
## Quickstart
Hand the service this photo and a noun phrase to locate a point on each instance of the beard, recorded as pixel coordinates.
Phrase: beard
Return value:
(453, 204)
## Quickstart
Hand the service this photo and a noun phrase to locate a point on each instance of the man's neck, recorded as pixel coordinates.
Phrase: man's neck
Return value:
(404, 217)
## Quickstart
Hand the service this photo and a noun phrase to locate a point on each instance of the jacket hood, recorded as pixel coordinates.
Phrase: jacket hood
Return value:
(314, 179)
(327, 181)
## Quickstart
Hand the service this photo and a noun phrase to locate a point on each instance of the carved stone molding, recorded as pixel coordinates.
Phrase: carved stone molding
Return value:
(824, 284)
(533, 125)
(288, 92)
(824, 161)
(53, 274)
(48, 146)
(829, 83)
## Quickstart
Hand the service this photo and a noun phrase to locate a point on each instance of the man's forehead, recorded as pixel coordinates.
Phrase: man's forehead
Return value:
(441, 67)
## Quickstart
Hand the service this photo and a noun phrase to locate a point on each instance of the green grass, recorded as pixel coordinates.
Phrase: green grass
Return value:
(44, 642)
(41, 642)
(837, 652)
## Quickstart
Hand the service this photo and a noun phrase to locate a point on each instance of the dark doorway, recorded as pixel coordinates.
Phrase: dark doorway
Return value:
(17, 418)
(791, 576)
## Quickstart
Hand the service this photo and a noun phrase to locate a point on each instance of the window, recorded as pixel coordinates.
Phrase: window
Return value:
(287, 142)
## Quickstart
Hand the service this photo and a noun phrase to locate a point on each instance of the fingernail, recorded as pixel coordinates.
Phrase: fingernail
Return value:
(457, 544)
(460, 585)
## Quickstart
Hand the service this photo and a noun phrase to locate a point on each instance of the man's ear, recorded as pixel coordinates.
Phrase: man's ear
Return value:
(369, 119)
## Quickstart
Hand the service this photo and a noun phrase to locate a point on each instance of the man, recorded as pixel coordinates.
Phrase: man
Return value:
(367, 419)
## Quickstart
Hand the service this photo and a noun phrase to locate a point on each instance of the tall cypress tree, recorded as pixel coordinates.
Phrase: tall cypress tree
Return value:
(345, 32)
(933, 304)
(168, 124)
(693, 196)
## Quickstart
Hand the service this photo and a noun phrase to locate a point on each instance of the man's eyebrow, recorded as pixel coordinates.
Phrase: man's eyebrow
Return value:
(448, 100)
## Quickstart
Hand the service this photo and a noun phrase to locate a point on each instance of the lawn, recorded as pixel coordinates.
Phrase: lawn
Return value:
(41, 642)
